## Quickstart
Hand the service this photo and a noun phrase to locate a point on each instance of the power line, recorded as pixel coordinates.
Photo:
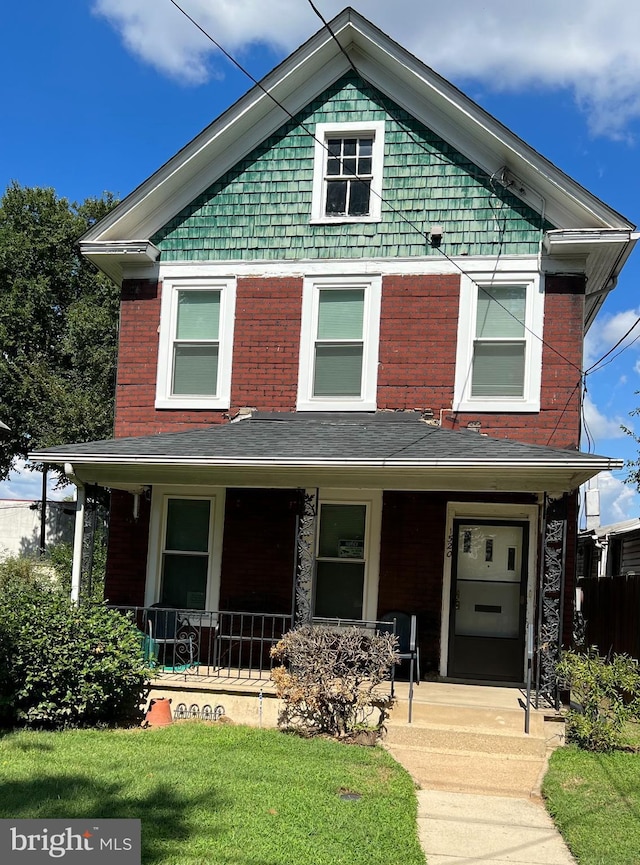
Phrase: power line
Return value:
(593, 366)
(424, 234)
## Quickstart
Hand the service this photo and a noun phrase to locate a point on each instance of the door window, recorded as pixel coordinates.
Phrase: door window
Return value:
(488, 586)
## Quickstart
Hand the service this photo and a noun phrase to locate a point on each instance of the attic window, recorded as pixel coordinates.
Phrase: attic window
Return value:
(348, 172)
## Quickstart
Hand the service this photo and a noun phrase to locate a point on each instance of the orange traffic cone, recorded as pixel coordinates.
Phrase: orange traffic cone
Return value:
(159, 713)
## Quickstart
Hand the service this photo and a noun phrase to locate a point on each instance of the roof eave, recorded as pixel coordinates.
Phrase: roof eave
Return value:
(382, 61)
(438, 474)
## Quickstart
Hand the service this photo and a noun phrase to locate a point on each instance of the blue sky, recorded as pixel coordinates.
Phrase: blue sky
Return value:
(97, 94)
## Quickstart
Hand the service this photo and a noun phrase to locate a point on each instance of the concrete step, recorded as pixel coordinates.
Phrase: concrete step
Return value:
(454, 739)
(510, 721)
(471, 772)
(473, 748)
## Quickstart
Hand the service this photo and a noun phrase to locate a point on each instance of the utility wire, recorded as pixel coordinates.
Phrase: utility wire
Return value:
(595, 367)
(425, 235)
(440, 250)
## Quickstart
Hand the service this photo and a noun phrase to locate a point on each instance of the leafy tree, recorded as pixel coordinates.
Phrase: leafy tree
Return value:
(58, 324)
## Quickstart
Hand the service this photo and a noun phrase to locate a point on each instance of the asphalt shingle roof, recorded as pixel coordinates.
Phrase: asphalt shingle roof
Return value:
(317, 438)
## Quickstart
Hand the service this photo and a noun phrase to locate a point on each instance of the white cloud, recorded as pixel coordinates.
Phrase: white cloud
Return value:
(25, 484)
(605, 333)
(618, 501)
(587, 46)
(599, 425)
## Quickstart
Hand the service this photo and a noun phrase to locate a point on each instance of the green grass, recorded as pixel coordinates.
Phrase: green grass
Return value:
(595, 802)
(219, 794)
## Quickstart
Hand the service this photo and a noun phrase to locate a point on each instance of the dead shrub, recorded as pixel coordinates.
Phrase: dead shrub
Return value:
(329, 680)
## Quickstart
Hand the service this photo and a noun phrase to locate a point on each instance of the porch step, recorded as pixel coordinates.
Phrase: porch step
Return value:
(498, 721)
(471, 748)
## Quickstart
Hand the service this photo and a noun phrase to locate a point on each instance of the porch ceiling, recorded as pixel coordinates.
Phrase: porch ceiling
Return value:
(387, 450)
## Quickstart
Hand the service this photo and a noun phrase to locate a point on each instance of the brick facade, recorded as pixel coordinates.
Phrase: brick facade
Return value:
(127, 550)
(416, 371)
(258, 557)
(418, 336)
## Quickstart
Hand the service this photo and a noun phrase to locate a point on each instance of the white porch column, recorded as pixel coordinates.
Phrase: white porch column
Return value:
(78, 535)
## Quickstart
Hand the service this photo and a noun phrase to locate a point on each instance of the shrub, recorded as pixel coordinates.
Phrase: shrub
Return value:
(607, 693)
(330, 681)
(63, 665)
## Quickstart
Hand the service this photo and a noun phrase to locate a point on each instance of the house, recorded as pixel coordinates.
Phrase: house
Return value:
(21, 526)
(349, 375)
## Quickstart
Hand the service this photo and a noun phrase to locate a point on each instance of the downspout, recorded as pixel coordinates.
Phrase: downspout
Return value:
(78, 535)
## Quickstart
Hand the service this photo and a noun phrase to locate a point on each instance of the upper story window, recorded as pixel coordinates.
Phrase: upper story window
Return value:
(499, 355)
(339, 344)
(196, 344)
(347, 183)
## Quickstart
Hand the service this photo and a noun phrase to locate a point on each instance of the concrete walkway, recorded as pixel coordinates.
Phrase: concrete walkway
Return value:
(465, 828)
(479, 776)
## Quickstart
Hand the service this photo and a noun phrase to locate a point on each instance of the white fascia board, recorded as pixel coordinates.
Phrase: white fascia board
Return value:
(138, 251)
(309, 71)
(478, 135)
(576, 241)
(573, 463)
(112, 257)
(132, 476)
(224, 142)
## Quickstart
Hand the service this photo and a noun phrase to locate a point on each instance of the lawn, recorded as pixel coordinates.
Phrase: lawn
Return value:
(595, 801)
(220, 794)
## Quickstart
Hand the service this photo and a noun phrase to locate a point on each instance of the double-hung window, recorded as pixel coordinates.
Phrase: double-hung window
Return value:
(339, 344)
(347, 184)
(196, 332)
(347, 554)
(499, 345)
(185, 544)
(186, 553)
(499, 353)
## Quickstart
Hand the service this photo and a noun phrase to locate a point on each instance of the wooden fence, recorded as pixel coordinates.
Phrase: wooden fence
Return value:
(611, 609)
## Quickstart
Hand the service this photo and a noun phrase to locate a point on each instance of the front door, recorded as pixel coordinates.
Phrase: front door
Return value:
(488, 600)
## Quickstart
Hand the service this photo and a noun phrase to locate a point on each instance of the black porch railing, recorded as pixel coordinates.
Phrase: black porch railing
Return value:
(208, 642)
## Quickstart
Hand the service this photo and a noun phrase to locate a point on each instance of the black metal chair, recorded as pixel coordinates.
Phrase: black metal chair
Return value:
(406, 630)
(172, 642)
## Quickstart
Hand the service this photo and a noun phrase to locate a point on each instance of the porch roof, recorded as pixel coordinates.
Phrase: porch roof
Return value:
(389, 450)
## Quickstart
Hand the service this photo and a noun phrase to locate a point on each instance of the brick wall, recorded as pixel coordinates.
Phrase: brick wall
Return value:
(266, 344)
(259, 550)
(418, 335)
(412, 555)
(558, 422)
(127, 551)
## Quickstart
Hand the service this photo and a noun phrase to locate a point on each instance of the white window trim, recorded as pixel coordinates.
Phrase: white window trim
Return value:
(486, 511)
(534, 321)
(168, 320)
(341, 130)
(312, 286)
(157, 533)
(373, 529)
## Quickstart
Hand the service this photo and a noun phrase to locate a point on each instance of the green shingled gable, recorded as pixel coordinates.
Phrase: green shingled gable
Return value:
(261, 208)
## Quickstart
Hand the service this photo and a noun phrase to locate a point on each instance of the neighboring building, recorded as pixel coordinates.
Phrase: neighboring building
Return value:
(20, 526)
(610, 551)
(349, 367)
(608, 591)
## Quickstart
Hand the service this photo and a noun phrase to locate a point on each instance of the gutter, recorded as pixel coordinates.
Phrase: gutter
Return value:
(604, 463)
